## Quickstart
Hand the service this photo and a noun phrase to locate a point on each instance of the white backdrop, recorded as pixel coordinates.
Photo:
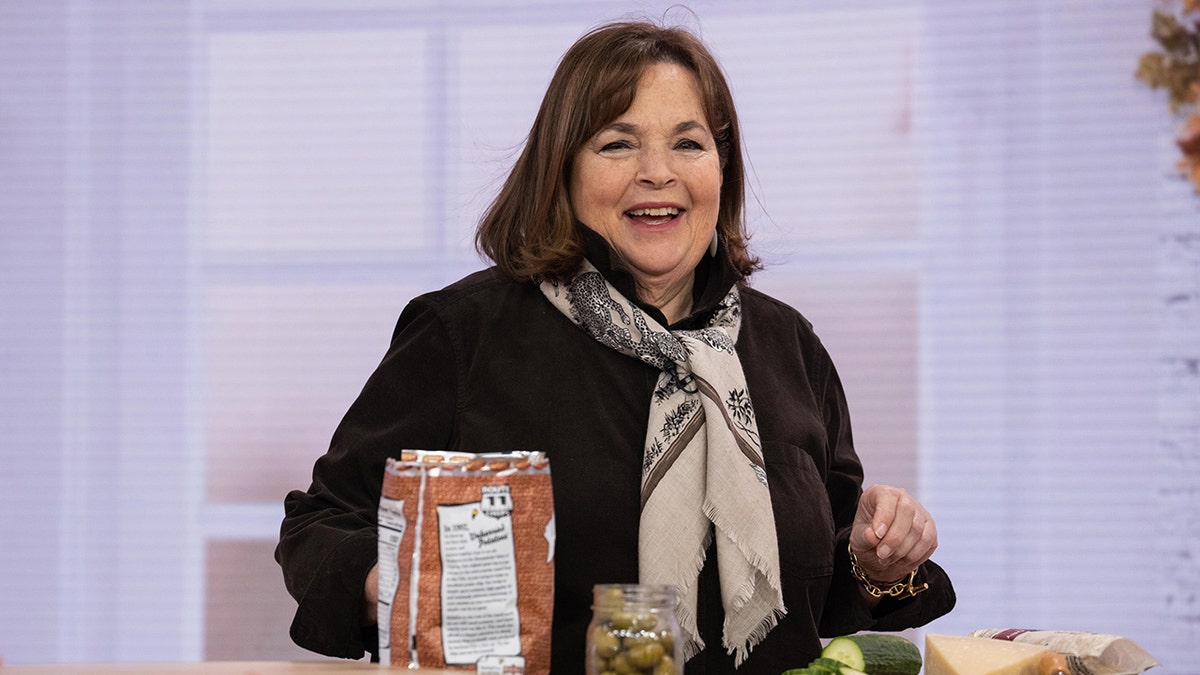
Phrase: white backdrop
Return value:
(213, 211)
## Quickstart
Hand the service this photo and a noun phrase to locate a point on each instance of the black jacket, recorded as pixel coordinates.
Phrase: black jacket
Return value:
(487, 365)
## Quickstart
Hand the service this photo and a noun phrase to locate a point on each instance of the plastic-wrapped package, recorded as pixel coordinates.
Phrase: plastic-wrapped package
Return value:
(1086, 653)
(466, 562)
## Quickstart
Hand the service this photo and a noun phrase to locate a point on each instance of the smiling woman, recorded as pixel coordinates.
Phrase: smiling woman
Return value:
(650, 184)
(534, 235)
(696, 429)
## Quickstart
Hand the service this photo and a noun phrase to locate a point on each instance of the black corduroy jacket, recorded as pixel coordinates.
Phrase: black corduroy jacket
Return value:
(488, 365)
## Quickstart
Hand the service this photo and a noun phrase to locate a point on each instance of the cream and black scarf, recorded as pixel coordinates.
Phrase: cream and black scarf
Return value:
(702, 468)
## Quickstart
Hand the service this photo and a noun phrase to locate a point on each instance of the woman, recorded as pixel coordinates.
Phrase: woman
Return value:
(696, 428)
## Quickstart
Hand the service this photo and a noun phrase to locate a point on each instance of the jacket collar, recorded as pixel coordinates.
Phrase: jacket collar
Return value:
(715, 276)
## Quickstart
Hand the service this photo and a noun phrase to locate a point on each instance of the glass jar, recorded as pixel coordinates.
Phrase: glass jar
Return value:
(633, 630)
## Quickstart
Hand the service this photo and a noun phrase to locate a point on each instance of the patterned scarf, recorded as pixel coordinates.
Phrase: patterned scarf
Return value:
(702, 468)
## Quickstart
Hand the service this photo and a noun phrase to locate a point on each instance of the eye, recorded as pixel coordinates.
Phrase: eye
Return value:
(688, 144)
(613, 146)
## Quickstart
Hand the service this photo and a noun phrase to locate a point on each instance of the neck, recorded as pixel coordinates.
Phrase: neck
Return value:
(674, 299)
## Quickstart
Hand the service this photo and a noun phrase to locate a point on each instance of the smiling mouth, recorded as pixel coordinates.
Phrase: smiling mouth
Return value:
(656, 216)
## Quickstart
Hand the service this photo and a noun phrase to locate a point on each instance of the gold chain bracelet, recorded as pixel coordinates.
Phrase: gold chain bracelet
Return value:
(897, 589)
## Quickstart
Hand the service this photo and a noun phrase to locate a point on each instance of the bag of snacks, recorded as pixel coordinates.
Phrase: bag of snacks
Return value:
(1087, 653)
(466, 562)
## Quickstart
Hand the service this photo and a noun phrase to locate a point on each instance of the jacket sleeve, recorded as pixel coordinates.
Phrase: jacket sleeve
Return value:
(845, 611)
(327, 542)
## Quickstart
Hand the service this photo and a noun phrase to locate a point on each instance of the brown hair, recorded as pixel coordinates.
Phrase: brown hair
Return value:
(529, 230)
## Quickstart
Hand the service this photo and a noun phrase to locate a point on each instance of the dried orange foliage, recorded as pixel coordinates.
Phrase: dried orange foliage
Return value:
(1189, 144)
(1175, 68)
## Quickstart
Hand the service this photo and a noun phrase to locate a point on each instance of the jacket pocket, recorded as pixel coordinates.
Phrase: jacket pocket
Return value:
(803, 517)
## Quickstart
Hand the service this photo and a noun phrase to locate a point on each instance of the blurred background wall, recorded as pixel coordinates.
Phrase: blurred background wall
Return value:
(212, 211)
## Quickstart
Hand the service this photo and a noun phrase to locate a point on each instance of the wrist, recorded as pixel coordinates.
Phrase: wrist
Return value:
(900, 588)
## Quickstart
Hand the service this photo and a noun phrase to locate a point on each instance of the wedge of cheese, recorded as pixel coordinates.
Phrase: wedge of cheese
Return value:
(957, 655)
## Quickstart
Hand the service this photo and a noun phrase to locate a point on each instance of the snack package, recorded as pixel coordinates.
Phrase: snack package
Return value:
(1086, 653)
(466, 562)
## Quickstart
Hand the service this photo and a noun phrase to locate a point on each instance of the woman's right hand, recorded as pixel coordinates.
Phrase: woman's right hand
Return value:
(371, 597)
(892, 533)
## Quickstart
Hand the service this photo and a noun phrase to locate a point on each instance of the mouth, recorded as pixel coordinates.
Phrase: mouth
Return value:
(656, 216)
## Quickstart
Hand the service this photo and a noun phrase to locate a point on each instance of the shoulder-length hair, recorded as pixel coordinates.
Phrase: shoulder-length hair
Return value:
(530, 230)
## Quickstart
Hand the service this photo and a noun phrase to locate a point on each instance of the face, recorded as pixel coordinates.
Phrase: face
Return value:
(650, 181)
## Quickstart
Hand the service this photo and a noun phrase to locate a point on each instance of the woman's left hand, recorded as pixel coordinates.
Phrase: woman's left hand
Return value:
(892, 533)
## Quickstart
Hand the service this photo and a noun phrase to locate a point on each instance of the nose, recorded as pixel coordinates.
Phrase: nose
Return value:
(654, 168)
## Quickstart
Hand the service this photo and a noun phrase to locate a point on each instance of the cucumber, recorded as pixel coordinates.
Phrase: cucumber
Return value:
(845, 650)
(875, 654)
(826, 664)
(847, 670)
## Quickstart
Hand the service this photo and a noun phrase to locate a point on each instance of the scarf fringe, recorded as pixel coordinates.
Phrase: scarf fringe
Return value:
(768, 567)
(767, 572)
(693, 644)
(741, 651)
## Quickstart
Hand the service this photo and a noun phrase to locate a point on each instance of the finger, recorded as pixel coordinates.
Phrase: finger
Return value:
(911, 546)
(903, 510)
(921, 544)
(862, 539)
(881, 500)
(898, 567)
(910, 526)
(862, 534)
(929, 542)
(896, 544)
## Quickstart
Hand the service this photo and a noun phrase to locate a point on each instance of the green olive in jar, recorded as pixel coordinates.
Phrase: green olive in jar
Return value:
(629, 638)
(606, 643)
(623, 620)
(646, 655)
(614, 593)
(667, 638)
(644, 621)
(633, 631)
(621, 665)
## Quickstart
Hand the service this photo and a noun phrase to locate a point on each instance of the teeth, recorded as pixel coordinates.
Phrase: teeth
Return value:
(663, 211)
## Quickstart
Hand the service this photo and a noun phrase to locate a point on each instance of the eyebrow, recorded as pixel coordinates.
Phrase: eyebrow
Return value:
(627, 128)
